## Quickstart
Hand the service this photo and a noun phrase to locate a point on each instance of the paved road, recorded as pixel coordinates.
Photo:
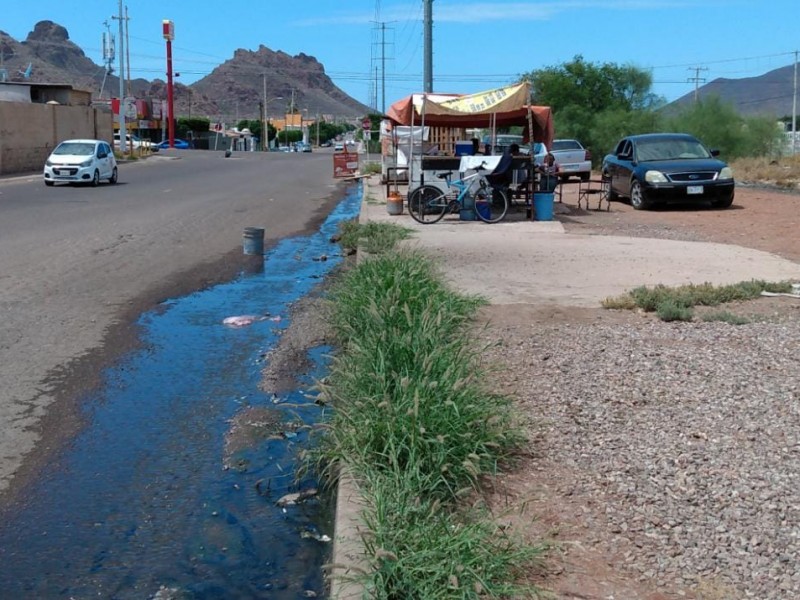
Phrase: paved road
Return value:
(77, 264)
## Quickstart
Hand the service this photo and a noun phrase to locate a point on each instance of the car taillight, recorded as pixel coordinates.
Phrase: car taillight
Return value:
(588, 155)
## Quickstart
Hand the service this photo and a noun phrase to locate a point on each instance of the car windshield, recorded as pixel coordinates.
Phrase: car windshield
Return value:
(566, 145)
(670, 149)
(77, 148)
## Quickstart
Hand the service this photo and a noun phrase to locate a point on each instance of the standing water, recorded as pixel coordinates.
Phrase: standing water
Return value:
(152, 498)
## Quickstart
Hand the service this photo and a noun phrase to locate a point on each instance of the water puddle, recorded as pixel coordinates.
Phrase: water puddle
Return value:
(172, 488)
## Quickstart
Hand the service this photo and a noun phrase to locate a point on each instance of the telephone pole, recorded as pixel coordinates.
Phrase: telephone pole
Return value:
(794, 106)
(427, 84)
(123, 134)
(697, 80)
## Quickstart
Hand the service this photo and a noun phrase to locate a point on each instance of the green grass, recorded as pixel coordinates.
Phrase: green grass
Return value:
(675, 303)
(372, 237)
(726, 317)
(371, 168)
(418, 427)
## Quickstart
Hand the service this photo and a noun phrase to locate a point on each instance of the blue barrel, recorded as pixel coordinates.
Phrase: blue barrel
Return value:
(484, 209)
(467, 212)
(253, 240)
(543, 206)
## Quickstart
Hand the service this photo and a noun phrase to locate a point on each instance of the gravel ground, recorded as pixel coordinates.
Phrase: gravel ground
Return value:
(681, 440)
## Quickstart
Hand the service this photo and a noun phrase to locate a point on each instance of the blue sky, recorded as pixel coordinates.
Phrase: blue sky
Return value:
(476, 45)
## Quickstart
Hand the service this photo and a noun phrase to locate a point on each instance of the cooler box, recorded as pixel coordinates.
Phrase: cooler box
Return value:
(463, 148)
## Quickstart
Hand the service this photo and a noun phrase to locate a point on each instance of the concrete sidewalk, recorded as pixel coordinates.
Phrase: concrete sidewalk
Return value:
(518, 261)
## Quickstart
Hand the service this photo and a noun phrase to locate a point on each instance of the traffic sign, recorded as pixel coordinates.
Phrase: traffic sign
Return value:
(367, 124)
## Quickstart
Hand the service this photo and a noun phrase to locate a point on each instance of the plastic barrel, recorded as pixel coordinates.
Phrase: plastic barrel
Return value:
(484, 209)
(543, 206)
(467, 212)
(253, 240)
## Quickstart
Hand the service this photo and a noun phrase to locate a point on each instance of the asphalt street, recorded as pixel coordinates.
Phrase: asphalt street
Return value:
(79, 264)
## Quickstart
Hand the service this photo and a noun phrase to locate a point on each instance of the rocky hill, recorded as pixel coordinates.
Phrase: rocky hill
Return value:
(770, 94)
(231, 91)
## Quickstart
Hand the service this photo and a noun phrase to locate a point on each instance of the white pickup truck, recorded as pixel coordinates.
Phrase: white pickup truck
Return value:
(572, 159)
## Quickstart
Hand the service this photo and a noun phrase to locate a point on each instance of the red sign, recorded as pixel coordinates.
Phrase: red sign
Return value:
(168, 29)
(367, 124)
(345, 164)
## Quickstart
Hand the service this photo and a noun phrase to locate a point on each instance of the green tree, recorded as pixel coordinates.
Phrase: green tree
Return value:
(196, 125)
(718, 125)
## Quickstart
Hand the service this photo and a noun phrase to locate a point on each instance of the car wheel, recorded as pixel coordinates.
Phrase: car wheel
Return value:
(49, 183)
(612, 195)
(96, 178)
(113, 179)
(638, 200)
(724, 203)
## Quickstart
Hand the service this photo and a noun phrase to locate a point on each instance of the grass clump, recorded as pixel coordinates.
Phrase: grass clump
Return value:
(371, 168)
(372, 237)
(673, 302)
(726, 317)
(417, 427)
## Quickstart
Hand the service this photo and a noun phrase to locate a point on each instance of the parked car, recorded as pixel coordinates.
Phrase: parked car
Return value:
(572, 159)
(504, 140)
(133, 142)
(303, 147)
(658, 168)
(338, 147)
(80, 161)
(179, 144)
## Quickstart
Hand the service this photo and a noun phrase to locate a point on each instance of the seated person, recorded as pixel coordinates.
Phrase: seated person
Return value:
(549, 173)
(476, 146)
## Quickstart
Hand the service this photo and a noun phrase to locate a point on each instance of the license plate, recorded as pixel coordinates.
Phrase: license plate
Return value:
(694, 189)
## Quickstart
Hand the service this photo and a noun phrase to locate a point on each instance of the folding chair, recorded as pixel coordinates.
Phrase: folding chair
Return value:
(594, 188)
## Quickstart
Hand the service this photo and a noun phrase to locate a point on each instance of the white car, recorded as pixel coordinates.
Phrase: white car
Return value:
(135, 143)
(81, 161)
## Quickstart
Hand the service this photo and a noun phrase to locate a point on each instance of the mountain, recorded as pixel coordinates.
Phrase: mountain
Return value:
(231, 91)
(770, 94)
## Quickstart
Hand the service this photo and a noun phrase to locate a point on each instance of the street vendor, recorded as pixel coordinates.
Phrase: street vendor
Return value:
(549, 173)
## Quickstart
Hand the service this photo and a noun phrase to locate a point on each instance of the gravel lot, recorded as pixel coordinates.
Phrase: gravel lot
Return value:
(665, 457)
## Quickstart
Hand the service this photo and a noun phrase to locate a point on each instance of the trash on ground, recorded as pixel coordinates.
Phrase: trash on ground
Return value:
(296, 498)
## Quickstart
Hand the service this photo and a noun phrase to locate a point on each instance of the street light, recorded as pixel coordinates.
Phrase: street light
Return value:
(266, 119)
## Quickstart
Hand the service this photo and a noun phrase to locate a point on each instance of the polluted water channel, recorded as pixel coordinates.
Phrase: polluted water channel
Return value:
(155, 498)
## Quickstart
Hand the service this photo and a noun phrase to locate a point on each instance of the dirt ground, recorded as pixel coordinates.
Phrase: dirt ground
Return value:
(539, 498)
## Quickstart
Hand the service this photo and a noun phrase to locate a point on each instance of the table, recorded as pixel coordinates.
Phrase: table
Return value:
(594, 188)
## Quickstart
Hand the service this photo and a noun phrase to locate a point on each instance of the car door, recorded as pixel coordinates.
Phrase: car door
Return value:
(623, 167)
(101, 157)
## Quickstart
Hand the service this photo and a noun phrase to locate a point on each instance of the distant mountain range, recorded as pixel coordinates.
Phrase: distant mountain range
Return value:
(230, 92)
(770, 94)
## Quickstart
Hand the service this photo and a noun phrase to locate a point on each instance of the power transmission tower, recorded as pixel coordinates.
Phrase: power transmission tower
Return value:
(697, 80)
(427, 75)
(382, 27)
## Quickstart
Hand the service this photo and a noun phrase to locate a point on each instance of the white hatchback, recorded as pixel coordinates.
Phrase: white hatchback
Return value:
(81, 161)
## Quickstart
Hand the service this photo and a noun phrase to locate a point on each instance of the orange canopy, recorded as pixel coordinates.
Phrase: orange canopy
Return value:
(504, 107)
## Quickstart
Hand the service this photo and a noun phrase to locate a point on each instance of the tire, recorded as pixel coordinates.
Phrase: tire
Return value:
(95, 178)
(612, 195)
(49, 183)
(497, 202)
(114, 176)
(427, 204)
(585, 176)
(638, 201)
(724, 203)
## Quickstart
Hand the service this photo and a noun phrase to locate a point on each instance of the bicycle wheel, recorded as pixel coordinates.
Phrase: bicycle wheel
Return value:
(491, 205)
(427, 204)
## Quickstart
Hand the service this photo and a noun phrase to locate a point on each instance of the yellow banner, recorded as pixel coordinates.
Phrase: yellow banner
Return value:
(501, 99)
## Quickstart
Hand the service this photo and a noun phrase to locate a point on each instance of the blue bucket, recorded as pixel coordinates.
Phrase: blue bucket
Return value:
(467, 212)
(253, 240)
(543, 206)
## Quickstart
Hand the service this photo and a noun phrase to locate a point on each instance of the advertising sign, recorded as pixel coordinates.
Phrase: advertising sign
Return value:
(345, 164)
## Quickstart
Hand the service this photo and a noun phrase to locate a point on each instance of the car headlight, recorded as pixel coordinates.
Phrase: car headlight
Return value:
(726, 173)
(655, 177)
(48, 162)
(86, 163)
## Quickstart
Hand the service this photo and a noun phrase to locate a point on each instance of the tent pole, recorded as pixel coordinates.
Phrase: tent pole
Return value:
(411, 148)
(422, 138)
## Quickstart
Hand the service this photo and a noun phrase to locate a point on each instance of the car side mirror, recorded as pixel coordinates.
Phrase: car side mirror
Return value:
(715, 152)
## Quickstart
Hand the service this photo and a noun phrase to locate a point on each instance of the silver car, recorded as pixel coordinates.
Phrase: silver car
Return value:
(81, 161)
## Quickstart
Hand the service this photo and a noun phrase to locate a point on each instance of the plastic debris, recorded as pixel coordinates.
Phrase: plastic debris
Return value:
(241, 320)
(296, 498)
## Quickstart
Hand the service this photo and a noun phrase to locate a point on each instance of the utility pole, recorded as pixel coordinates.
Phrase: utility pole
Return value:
(264, 129)
(427, 84)
(123, 134)
(794, 106)
(697, 80)
(127, 50)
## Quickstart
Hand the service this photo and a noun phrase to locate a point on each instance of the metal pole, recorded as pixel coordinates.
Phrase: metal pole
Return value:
(794, 106)
(265, 135)
(170, 119)
(383, 68)
(127, 51)
(427, 84)
(123, 134)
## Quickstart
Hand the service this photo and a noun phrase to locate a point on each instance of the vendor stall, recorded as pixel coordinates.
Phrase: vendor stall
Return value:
(449, 116)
